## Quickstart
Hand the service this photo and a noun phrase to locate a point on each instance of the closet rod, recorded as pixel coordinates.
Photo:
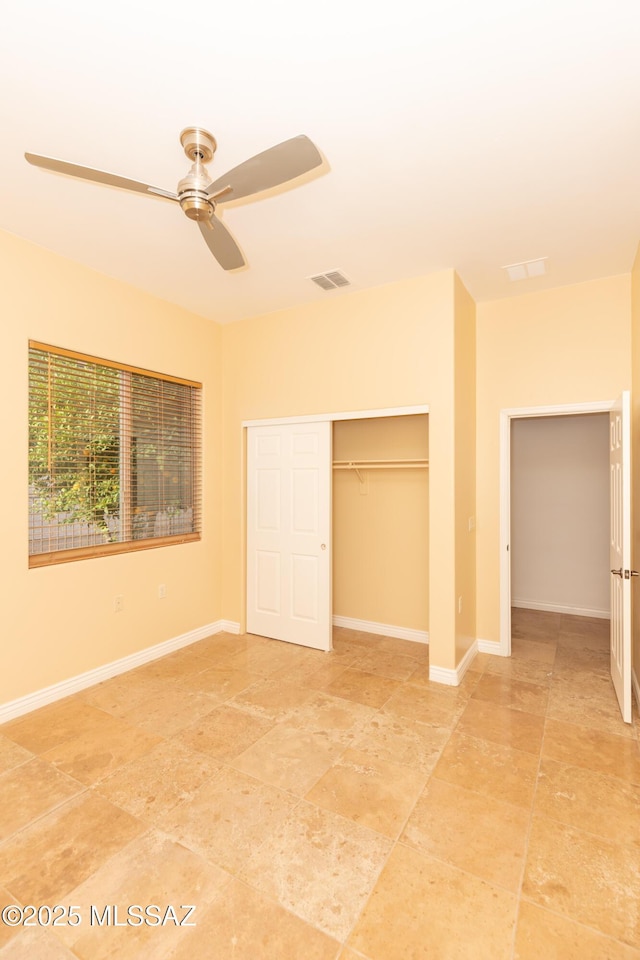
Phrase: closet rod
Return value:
(378, 464)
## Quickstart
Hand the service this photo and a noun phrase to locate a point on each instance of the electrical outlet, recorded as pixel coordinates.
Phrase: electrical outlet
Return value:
(472, 524)
(118, 603)
(162, 591)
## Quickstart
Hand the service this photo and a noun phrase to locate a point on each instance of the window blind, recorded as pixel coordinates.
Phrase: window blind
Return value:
(114, 457)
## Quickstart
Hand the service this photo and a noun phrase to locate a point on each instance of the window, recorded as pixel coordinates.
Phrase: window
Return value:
(114, 457)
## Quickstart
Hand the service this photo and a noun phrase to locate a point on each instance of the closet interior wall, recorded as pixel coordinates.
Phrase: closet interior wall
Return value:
(381, 521)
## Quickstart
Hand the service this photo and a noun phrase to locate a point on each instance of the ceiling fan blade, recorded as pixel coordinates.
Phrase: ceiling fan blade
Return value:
(99, 176)
(221, 244)
(270, 168)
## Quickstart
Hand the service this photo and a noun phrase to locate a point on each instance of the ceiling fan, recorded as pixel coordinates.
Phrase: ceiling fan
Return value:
(198, 195)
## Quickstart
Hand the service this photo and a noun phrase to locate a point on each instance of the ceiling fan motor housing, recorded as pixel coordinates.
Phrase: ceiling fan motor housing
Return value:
(192, 194)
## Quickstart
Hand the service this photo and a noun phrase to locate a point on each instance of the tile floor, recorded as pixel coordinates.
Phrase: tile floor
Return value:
(321, 806)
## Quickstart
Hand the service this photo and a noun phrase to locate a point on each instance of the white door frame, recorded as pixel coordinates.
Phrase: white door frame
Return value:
(311, 418)
(506, 416)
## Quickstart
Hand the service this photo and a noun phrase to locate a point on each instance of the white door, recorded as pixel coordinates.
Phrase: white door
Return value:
(289, 532)
(620, 551)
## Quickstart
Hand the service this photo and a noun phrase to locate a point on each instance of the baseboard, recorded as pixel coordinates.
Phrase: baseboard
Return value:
(490, 646)
(453, 678)
(32, 701)
(635, 683)
(382, 629)
(561, 608)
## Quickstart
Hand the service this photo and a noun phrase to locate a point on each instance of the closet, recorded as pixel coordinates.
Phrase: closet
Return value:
(380, 519)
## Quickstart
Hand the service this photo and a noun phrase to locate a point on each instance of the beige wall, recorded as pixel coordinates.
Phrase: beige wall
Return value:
(465, 469)
(568, 345)
(635, 399)
(386, 347)
(381, 526)
(58, 621)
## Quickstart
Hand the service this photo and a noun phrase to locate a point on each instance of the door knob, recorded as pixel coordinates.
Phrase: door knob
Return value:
(618, 573)
(323, 546)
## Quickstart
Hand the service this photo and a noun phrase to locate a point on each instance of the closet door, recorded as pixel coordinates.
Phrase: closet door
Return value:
(288, 533)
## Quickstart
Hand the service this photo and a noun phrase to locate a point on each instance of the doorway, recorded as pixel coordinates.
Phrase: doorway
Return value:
(507, 418)
(560, 514)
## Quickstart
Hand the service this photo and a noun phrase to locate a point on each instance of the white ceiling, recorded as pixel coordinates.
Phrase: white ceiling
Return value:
(460, 134)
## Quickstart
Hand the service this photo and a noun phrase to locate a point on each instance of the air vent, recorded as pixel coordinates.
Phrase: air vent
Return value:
(331, 280)
(526, 269)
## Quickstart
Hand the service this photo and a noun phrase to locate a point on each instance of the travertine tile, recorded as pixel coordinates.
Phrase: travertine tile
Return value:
(271, 699)
(31, 790)
(289, 758)
(47, 859)
(121, 693)
(7, 932)
(362, 687)
(395, 666)
(242, 924)
(577, 702)
(411, 742)
(333, 718)
(530, 670)
(570, 662)
(489, 768)
(227, 818)
(512, 728)
(319, 677)
(461, 827)
(32, 942)
(437, 705)
(54, 724)
(605, 806)
(536, 650)
(174, 666)
(223, 733)
(221, 645)
(165, 713)
(543, 934)
(320, 866)
(395, 645)
(220, 681)
(153, 784)
(595, 750)
(445, 913)
(515, 694)
(152, 870)
(585, 878)
(99, 751)
(375, 793)
(12, 755)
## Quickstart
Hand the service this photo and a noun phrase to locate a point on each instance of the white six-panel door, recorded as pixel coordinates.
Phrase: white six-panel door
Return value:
(289, 532)
(620, 551)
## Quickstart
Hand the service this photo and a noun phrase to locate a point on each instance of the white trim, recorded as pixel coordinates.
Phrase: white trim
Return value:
(506, 415)
(350, 415)
(382, 629)
(453, 678)
(40, 698)
(635, 683)
(561, 608)
(490, 646)
(228, 626)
